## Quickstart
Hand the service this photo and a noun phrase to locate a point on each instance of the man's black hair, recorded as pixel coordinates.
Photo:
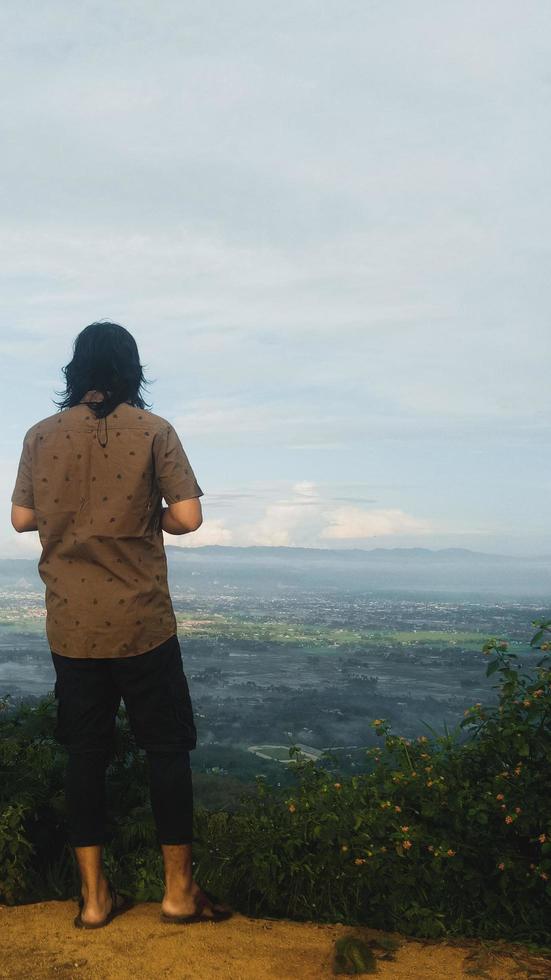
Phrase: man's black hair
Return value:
(105, 358)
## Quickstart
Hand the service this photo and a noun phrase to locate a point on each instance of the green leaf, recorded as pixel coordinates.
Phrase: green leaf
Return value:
(354, 956)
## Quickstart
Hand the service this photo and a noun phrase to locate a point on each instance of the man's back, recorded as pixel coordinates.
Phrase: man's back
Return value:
(96, 486)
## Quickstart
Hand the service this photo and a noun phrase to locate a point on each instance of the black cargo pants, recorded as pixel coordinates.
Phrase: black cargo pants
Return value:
(155, 692)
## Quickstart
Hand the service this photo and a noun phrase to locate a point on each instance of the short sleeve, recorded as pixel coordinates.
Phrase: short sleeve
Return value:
(175, 477)
(23, 494)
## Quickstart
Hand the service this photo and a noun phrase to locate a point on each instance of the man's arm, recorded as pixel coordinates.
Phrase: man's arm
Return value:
(179, 518)
(23, 518)
(182, 517)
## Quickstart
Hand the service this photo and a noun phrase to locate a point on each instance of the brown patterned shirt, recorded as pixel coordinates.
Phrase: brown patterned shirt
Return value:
(96, 486)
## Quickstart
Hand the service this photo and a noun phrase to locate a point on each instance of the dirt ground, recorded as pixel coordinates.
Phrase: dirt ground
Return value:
(40, 941)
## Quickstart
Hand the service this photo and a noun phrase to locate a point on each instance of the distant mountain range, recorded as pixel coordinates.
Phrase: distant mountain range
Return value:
(458, 554)
(210, 570)
(349, 554)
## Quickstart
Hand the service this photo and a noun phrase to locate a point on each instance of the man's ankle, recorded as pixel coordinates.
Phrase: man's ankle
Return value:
(95, 890)
(179, 885)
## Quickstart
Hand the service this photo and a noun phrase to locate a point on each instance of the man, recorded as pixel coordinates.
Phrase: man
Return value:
(91, 480)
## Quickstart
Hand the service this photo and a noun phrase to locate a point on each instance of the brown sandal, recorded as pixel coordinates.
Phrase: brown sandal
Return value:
(203, 899)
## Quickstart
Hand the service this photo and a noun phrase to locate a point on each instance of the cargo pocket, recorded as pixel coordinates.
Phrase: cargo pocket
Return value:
(182, 710)
(58, 730)
(63, 722)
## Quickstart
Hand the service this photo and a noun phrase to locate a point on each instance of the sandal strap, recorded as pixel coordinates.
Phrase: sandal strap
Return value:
(201, 902)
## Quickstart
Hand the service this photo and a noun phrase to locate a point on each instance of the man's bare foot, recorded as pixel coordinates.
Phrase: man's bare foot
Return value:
(182, 902)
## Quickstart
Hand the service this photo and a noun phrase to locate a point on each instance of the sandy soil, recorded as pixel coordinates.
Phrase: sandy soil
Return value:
(40, 941)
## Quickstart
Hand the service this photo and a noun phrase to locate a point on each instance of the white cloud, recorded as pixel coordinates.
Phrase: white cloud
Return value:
(211, 531)
(307, 489)
(24, 545)
(305, 518)
(290, 521)
(356, 523)
(338, 271)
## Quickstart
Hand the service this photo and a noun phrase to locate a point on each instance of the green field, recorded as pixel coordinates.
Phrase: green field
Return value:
(280, 753)
(237, 629)
(284, 634)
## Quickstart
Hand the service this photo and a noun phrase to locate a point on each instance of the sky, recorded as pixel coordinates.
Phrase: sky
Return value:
(327, 226)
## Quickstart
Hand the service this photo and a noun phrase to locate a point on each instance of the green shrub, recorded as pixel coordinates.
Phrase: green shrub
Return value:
(442, 835)
(449, 835)
(15, 851)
